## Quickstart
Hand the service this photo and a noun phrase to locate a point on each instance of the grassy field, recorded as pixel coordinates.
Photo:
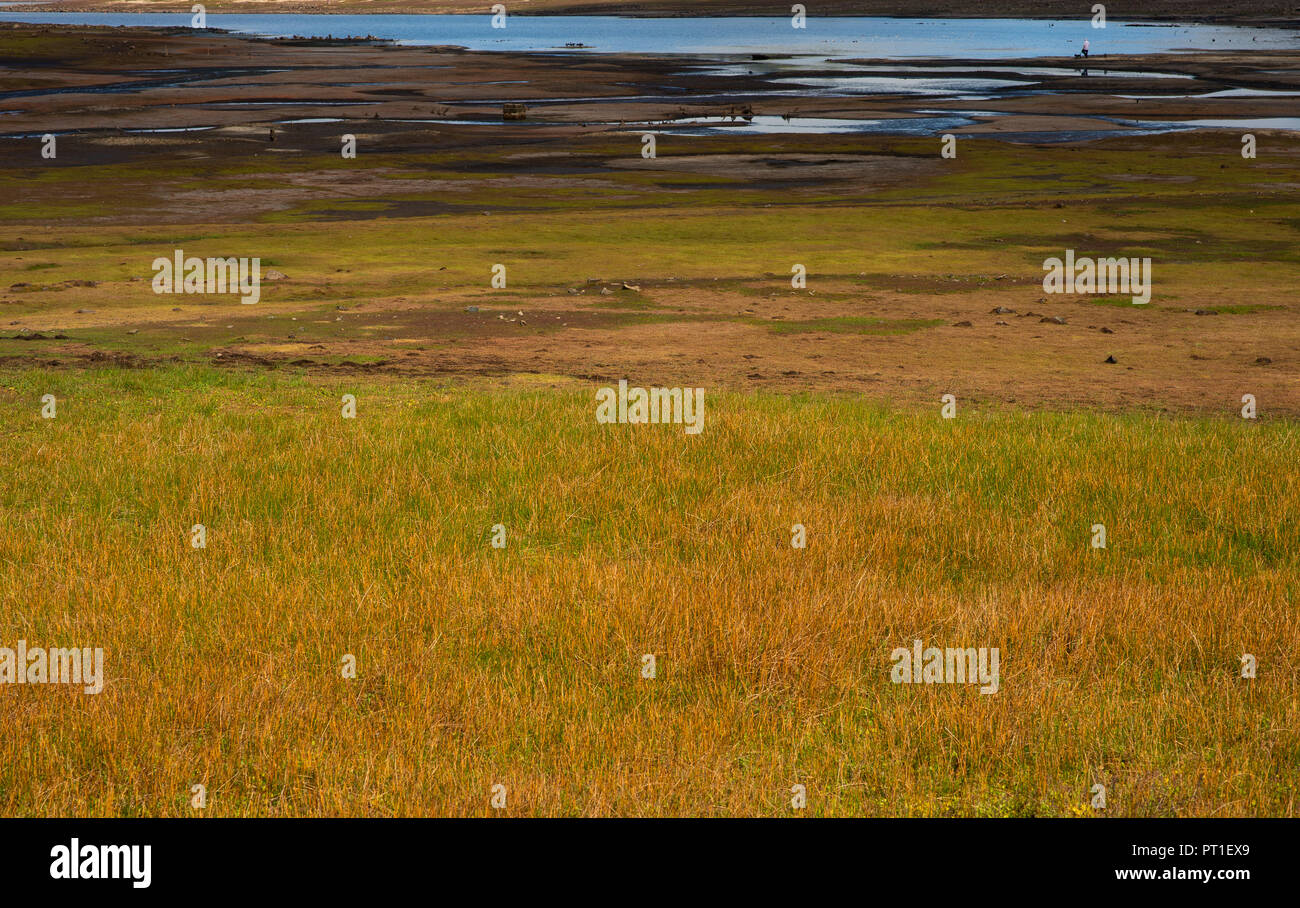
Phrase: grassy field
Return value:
(479, 666)
(903, 298)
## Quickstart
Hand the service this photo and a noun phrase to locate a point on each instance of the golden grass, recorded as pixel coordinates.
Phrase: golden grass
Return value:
(521, 667)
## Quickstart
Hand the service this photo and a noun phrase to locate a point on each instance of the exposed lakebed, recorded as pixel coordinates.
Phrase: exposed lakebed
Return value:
(736, 75)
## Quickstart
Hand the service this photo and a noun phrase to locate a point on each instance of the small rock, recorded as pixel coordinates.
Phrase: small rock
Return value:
(1262, 361)
(273, 275)
(962, 325)
(1002, 323)
(1053, 319)
(1110, 359)
(1003, 310)
(633, 287)
(1107, 331)
(471, 308)
(1207, 311)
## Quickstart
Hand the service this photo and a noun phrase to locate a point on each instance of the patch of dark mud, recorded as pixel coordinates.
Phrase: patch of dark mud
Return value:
(95, 358)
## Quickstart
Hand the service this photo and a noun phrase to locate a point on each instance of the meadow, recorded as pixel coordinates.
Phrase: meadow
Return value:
(521, 666)
(333, 542)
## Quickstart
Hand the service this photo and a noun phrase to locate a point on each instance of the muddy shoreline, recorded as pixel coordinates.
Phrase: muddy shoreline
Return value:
(121, 82)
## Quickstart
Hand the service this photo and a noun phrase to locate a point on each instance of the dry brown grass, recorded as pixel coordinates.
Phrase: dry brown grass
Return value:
(521, 667)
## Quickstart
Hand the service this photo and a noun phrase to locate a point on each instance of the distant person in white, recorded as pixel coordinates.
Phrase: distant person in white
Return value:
(1085, 47)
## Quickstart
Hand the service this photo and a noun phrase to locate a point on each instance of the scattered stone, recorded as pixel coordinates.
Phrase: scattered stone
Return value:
(85, 311)
(1002, 323)
(1207, 311)
(1262, 361)
(134, 331)
(1003, 310)
(962, 325)
(471, 308)
(273, 275)
(633, 287)
(604, 291)
(1110, 359)
(1053, 319)
(1105, 330)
